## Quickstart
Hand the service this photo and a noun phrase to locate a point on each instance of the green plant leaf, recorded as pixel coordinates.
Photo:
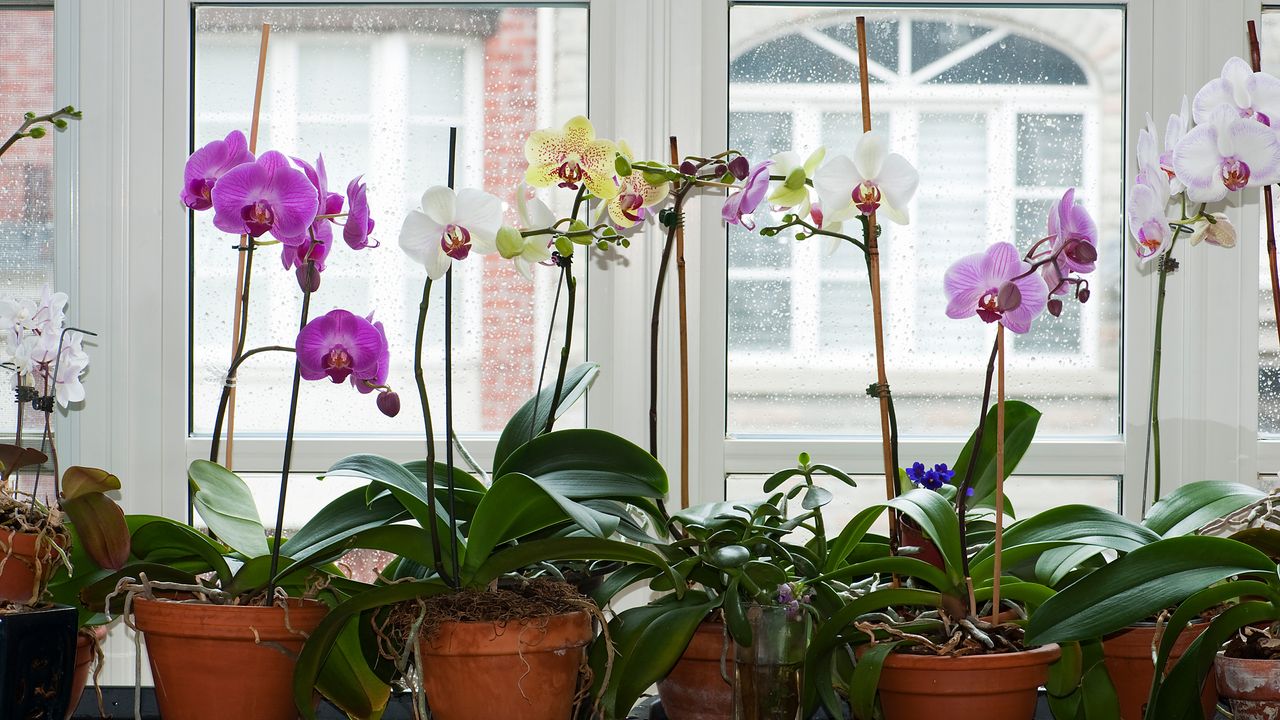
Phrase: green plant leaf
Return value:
(1192, 506)
(816, 497)
(535, 551)
(866, 678)
(406, 541)
(1141, 584)
(773, 481)
(226, 504)
(897, 565)
(832, 632)
(528, 422)
(347, 681)
(78, 481)
(1055, 564)
(16, 457)
(649, 640)
(101, 528)
(161, 540)
(319, 646)
(937, 520)
(621, 579)
(1020, 422)
(730, 557)
(839, 549)
(347, 514)
(735, 616)
(834, 472)
(1067, 525)
(584, 463)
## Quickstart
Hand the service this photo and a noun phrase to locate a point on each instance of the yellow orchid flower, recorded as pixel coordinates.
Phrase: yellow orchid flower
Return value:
(635, 194)
(572, 155)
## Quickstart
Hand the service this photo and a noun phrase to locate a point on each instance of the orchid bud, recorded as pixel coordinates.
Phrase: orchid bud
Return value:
(510, 242)
(36, 132)
(719, 169)
(389, 403)
(1009, 297)
(622, 165)
(564, 246)
(1055, 307)
(1082, 252)
(688, 168)
(653, 178)
(1083, 295)
(740, 167)
(308, 278)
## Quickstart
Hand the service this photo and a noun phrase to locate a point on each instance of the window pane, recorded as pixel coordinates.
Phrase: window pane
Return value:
(26, 174)
(1015, 110)
(1268, 348)
(376, 89)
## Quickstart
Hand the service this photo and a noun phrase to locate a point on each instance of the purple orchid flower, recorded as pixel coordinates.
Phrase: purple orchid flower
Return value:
(208, 164)
(1072, 230)
(997, 286)
(267, 195)
(340, 346)
(359, 225)
(296, 256)
(745, 202)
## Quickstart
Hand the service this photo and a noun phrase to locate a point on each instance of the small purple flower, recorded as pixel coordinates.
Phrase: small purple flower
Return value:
(793, 596)
(930, 479)
(340, 345)
(1072, 230)
(359, 225)
(754, 188)
(997, 286)
(208, 164)
(267, 195)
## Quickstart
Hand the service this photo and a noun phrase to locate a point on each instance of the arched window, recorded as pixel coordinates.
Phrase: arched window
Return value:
(1000, 118)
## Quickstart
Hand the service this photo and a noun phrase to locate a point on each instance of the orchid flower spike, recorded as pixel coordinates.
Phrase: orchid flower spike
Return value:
(1224, 154)
(875, 180)
(997, 286)
(448, 226)
(793, 191)
(570, 156)
(1249, 94)
(635, 195)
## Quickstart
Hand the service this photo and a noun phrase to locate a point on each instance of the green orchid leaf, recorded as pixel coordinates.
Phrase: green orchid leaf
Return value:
(838, 629)
(621, 579)
(530, 420)
(101, 528)
(1080, 525)
(1141, 584)
(850, 537)
(346, 515)
(1020, 422)
(937, 519)
(388, 475)
(226, 504)
(585, 463)
(1192, 506)
(537, 551)
(161, 540)
(347, 681)
(866, 678)
(405, 541)
(322, 641)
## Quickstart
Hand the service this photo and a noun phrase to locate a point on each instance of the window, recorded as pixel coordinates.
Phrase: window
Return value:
(983, 102)
(27, 242)
(376, 90)
(1269, 350)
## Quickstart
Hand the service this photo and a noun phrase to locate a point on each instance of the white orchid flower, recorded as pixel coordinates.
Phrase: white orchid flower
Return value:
(1225, 154)
(793, 191)
(1220, 232)
(525, 252)
(874, 180)
(449, 226)
(1250, 94)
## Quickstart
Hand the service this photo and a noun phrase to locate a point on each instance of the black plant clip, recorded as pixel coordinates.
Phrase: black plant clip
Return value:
(1168, 264)
(25, 394)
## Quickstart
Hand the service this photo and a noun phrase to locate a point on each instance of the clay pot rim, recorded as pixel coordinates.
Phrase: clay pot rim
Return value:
(169, 618)
(510, 621)
(1222, 655)
(1022, 658)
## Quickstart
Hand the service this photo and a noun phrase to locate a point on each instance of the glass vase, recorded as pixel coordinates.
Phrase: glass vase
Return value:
(767, 676)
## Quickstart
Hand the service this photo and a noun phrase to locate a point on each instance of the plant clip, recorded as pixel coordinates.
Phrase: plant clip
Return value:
(43, 404)
(1168, 264)
(25, 393)
(878, 390)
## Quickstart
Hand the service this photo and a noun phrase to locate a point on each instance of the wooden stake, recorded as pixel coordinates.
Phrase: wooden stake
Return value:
(873, 264)
(1255, 54)
(995, 589)
(244, 239)
(682, 303)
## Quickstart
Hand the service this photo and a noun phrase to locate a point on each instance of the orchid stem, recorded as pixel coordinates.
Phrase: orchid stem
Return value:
(288, 450)
(426, 424)
(448, 419)
(227, 386)
(570, 286)
(962, 493)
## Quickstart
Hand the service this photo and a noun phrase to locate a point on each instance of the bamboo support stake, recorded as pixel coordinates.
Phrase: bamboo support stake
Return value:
(682, 303)
(995, 588)
(873, 264)
(1255, 55)
(243, 249)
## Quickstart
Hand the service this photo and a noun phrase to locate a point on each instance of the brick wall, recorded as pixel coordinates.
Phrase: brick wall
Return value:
(26, 83)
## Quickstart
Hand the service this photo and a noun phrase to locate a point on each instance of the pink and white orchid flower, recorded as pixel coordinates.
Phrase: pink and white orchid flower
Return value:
(1174, 130)
(874, 180)
(1148, 220)
(1220, 232)
(1224, 154)
(570, 156)
(449, 226)
(1249, 94)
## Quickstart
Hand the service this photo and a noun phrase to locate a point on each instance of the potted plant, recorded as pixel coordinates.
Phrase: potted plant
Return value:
(737, 633)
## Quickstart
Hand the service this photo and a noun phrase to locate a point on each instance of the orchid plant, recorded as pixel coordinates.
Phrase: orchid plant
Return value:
(1220, 143)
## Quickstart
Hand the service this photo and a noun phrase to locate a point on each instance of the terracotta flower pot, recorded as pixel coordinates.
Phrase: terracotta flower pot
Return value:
(695, 689)
(226, 656)
(974, 687)
(86, 651)
(1127, 655)
(1252, 687)
(525, 669)
(18, 582)
(912, 536)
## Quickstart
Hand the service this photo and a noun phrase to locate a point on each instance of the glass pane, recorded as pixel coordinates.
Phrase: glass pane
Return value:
(1268, 347)
(1000, 110)
(376, 89)
(26, 176)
